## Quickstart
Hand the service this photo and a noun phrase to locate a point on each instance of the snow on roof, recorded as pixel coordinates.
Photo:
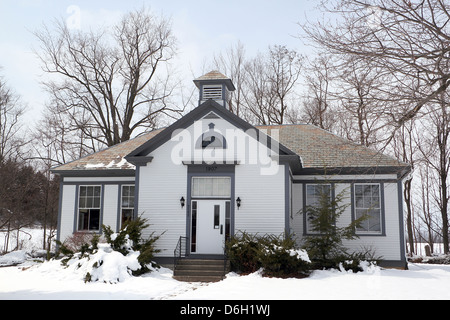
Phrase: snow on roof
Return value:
(109, 158)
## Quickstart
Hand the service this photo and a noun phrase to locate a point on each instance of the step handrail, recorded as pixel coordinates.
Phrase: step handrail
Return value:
(180, 250)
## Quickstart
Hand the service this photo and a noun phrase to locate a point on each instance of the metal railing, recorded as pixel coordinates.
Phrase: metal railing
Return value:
(180, 250)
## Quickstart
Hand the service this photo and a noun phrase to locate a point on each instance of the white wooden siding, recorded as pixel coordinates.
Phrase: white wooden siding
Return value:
(263, 202)
(67, 211)
(161, 185)
(110, 203)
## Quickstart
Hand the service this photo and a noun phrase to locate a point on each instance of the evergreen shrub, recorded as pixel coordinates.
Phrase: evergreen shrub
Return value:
(127, 243)
(276, 256)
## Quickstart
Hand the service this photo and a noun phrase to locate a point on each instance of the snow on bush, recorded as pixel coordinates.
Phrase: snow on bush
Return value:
(104, 264)
(124, 254)
(363, 266)
(299, 254)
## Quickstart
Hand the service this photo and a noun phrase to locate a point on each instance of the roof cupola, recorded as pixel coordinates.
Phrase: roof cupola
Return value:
(214, 85)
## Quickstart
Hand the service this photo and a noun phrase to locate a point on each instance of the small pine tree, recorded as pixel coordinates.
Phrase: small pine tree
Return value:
(132, 232)
(324, 246)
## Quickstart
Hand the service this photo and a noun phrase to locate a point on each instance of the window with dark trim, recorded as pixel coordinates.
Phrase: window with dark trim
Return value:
(127, 203)
(368, 203)
(89, 204)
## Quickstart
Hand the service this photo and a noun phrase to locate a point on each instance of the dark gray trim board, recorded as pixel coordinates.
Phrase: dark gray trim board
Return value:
(397, 264)
(58, 232)
(88, 183)
(136, 192)
(96, 173)
(400, 171)
(227, 82)
(139, 161)
(401, 223)
(287, 200)
(195, 115)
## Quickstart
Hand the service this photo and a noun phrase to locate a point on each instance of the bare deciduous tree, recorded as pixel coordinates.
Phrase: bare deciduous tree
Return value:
(112, 83)
(407, 38)
(436, 153)
(360, 94)
(319, 76)
(270, 82)
(11, 113)
(232, 64)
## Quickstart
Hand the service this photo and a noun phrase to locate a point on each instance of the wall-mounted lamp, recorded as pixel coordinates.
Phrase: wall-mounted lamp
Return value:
(238, 202)
(182, 202)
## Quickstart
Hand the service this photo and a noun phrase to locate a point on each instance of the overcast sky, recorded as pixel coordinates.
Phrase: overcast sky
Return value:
(202, 28)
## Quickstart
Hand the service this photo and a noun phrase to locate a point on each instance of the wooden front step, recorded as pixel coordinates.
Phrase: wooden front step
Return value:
(199, 270)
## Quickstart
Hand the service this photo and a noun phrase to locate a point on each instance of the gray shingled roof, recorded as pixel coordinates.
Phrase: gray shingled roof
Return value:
(316, 147)
(215, 75)
(319, 148)
(108, 159)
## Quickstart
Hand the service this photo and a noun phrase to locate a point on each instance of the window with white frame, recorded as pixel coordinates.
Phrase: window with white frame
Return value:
(89, 206)
(127, 203)
(314, 195)
(368, 204)
(211, 187)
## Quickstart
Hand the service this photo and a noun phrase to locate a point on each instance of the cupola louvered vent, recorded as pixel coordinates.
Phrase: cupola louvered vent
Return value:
(212, 92)
(214, 86)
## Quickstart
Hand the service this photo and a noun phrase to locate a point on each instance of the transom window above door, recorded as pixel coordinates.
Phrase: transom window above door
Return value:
(211, 187)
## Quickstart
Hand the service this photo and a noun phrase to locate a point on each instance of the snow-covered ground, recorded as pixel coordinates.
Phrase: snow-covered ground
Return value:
(49, 280)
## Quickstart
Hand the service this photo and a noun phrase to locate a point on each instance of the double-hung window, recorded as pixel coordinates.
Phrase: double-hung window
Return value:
(89, 205)
(315, 194)
(368, 204)
(127, 203)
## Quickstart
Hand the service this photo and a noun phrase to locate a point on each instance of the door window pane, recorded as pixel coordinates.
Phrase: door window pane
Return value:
(216, 216)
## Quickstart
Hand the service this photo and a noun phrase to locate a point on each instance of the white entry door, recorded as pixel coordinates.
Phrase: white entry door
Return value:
(210, 226)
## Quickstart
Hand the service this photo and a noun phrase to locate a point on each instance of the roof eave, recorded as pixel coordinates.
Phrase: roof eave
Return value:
(96, 173)
(401, 171)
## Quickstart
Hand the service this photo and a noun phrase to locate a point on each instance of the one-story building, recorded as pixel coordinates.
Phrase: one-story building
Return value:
(211, 174)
